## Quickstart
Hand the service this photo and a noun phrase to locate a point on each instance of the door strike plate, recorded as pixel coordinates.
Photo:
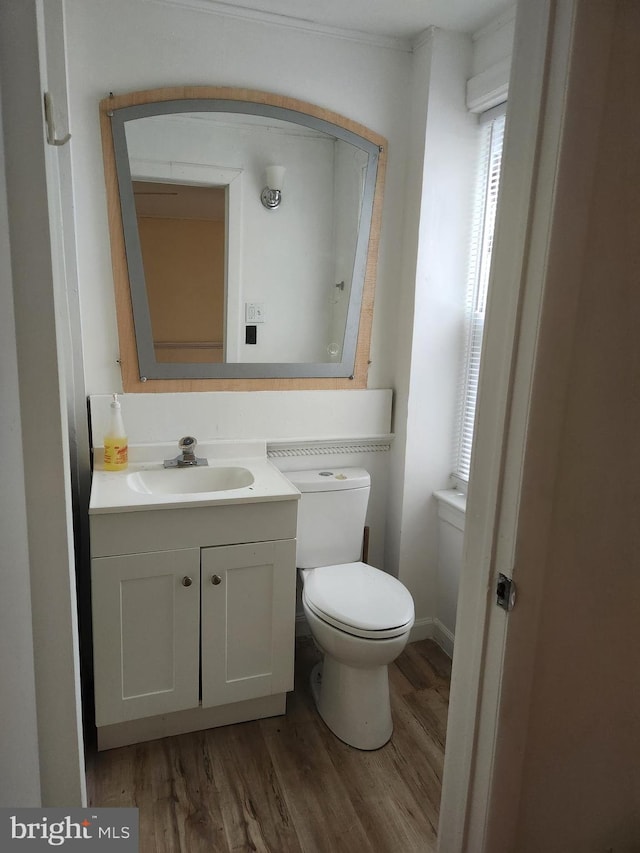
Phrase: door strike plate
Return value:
(505, 592)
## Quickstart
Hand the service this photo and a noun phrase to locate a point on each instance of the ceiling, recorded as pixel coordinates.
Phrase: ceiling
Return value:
(403, 19)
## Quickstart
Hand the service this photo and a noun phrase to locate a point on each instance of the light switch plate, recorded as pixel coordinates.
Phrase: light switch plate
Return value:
(254, 312)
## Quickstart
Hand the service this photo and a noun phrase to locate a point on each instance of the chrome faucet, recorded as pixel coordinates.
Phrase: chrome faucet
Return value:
(187, 457)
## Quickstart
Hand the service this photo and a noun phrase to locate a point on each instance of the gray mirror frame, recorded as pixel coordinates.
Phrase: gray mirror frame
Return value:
(115, 113)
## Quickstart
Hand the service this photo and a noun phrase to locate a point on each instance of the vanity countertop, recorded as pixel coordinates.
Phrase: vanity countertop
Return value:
(120, 491)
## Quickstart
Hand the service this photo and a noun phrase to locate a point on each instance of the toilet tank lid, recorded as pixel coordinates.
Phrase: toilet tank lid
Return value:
(329, 479)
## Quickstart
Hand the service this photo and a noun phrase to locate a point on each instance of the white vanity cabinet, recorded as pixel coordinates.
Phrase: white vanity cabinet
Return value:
(193, 617)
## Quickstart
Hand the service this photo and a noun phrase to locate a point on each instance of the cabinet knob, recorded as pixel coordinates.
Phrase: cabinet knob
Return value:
(186, 581)
(216, 579)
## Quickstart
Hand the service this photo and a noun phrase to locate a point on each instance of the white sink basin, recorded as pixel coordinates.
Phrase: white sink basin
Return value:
(238, 473)
(189, 481)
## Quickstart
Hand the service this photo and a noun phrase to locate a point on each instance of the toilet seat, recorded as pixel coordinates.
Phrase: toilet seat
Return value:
(359, 600)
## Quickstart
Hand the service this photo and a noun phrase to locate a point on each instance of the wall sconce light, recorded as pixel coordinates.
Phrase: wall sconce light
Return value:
(272, 193)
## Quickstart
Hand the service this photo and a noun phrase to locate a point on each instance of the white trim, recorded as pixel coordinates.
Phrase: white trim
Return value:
(489, 88)
(422, 38)
(422, 629)
(173, 172)
(455, 498)
(273, 19)
(318, 447)
(31, 46)
(477, 670)
(452, 506)
(492, 113)
(443, 637)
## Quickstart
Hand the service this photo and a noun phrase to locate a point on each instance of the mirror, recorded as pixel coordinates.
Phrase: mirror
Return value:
(221, 279)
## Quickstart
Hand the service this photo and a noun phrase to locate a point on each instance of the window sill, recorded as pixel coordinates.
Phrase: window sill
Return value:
(452, 505)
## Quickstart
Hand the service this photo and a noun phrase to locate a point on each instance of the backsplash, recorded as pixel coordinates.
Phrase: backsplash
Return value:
(274, 416)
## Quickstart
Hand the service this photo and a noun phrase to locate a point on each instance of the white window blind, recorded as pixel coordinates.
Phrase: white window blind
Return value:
(484, 217)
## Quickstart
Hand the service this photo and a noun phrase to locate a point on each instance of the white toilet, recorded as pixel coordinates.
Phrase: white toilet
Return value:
(360, 617)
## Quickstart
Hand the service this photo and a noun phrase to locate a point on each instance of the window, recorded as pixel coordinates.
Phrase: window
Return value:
(484, 215)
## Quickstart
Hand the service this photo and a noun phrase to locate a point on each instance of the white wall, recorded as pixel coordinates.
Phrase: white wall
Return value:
(440, 181)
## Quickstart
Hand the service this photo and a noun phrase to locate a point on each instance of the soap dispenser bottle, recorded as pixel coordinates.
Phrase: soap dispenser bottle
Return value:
(116, 446)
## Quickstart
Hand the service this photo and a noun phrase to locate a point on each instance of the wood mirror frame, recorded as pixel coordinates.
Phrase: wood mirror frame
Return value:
(131, 380)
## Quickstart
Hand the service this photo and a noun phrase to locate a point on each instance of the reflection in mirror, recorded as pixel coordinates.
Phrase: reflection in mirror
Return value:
(221, 286)
(182, 239)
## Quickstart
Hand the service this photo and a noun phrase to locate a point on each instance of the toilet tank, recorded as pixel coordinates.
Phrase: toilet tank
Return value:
(331, 515)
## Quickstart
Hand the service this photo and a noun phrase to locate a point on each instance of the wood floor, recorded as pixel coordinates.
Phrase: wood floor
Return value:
(287, 783)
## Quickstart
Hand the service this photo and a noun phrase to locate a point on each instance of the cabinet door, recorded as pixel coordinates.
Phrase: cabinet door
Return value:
(145, 634)
(248, 621)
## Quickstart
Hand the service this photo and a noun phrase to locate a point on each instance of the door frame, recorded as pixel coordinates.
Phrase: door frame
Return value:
(480, 688)
(32, 62)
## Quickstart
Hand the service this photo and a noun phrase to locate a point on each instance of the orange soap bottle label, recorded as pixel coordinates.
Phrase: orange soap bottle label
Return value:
(116, 454)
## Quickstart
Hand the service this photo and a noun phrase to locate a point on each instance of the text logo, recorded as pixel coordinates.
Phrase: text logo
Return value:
(36, 829)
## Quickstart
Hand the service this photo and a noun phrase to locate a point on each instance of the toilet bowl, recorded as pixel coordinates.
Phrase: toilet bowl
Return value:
(351, 684)
(359, 616)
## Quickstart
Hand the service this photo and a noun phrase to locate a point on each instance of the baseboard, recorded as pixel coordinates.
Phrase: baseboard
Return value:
(422, 630)
(443, 637)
